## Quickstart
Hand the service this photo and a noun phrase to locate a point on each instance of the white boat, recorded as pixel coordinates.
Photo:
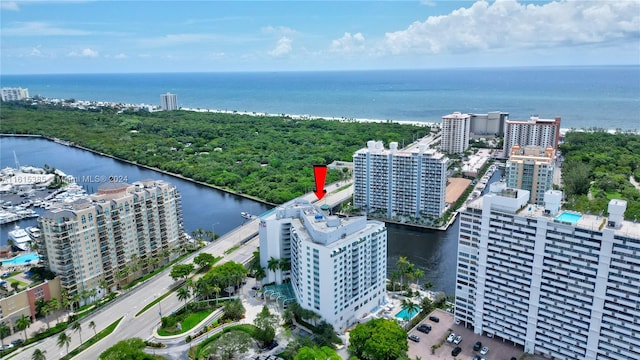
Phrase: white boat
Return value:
(33, 232)
(20, 238)
(245, 215)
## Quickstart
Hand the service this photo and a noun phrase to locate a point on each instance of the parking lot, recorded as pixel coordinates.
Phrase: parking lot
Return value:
(439, 332)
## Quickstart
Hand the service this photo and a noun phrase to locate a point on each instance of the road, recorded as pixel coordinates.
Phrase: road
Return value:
(128, 304)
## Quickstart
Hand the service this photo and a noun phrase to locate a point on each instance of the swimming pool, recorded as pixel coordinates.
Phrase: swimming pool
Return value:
(568, 217)
(406, 315)
(30, 258)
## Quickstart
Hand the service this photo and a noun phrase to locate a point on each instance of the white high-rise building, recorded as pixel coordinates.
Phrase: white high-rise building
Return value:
(535, 131)
(531, 168)
(169, 102)
(490, 124)
(559, 283)
(14, 94)
(95, 238)
(455, 133)
(337, 266)
(397, 181)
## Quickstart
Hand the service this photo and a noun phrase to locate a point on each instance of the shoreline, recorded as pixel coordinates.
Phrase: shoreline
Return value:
(179, 176)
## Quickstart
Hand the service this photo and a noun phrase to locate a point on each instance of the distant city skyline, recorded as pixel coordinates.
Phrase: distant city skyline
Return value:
(210, 36)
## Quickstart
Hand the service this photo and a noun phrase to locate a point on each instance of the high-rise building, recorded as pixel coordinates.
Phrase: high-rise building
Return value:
(96, 238)
(337, 266)
(490, 124)
(535, 131)
(399, 182)
(455, 133)
(531, 168)
(558, 283)
(169, 102)
(14, 94)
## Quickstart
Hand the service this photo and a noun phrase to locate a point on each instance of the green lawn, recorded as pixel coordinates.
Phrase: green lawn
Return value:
(188, 320)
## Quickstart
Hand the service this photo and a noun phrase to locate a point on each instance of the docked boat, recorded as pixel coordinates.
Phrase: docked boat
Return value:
(19, 238)
(33, 232)
(245, 215)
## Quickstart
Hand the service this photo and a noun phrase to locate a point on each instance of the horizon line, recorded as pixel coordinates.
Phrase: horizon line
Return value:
(328, 70)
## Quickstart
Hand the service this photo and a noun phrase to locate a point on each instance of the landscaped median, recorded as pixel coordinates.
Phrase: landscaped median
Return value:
(188, 321)
(94, 339)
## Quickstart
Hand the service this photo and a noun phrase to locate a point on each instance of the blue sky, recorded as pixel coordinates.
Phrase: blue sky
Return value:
(180, 36)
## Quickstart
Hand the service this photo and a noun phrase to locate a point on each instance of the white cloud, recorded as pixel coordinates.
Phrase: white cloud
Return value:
(87, 52)
(35, 52)
(283, 47)
(9, 5)
(509, 24)
(120, 56)
(280, 30)
(38, 28)
(348, 43)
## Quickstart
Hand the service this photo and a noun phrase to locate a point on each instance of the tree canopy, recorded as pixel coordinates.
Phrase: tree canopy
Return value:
(378, 339)
(599, 167)
(269, 158)
(130, 349)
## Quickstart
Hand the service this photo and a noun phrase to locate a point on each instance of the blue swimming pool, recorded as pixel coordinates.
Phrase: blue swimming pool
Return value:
(568, 217)
(30, 258)
(406, 315)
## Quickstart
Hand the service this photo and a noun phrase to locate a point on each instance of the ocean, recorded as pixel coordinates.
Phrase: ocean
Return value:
(597, 96)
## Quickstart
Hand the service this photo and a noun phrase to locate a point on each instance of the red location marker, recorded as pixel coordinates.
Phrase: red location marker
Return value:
(320, 174)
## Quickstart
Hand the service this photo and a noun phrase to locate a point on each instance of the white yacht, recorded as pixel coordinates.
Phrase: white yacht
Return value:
(20, 238)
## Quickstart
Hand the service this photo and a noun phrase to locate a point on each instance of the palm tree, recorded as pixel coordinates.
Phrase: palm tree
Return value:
(105, 286)
(92, 294)
(84, 294)
(64, 340)
(45, 309)
(210, 235)
(410, 307)
(23, 323)
(202, 289)
(260, 274)
(92, 325)
(75, 298)
(75, 326)
(4, 332)
(273, 264)
(39, 355)
(403, 265)
(183, 294)
(216, 290)
(394, 276)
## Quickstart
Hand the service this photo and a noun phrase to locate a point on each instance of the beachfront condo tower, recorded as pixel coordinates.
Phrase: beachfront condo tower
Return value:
(335, 267)
(169, 102)
(558, 283)
(455, 133)
(119, 232)
(392, 182)
(535, 131)
(14, 94)
(488, 125)
(531, 168)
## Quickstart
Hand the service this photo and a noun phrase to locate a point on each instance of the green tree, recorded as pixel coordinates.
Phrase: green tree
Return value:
(75, 326)
(260, 274)
(233, 310)
(92, 325)
(410, 307)
(231, 343)
(23, 323)
(64, 340)
(183, 294)
(4, 332)
(181, 271)
(576, 177)
(45, 309)
(204, 260)
(265, 323)
(378, 339)
(126, 349)
(273, 265)
(38, 355)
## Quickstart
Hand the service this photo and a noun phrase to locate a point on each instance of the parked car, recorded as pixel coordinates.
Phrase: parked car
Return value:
(477, 346)
(477, 357)
(6, 347)
(17, 342)
(271, 346)
(255, 287)
(414, 337)
(456, 351)
(458, 339)
(484, 351)
(434, 318)
(451, 337)
(424, 328)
